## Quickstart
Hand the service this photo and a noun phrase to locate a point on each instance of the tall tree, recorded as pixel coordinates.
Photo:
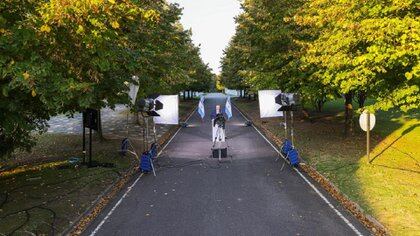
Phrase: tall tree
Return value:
(62, 56)
(324, 48)
(364, 46)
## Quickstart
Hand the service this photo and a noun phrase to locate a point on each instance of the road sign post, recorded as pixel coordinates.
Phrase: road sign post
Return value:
(367, 122)
(91, 121)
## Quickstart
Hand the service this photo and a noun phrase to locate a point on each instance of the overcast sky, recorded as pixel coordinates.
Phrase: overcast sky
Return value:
(212, 23)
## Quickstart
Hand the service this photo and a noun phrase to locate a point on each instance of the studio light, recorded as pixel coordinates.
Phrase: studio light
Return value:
(163, 108)
(287, 101)
(150, 105)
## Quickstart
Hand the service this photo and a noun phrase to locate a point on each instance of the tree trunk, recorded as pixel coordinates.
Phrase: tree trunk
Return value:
(138, 119)
(319, 105)
(348, 125)
(100, 131)
(361, 98)
(184, 94)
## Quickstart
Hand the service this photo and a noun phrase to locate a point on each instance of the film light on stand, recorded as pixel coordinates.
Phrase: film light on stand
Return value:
(150, 105)
(287, 101)
(274, 103)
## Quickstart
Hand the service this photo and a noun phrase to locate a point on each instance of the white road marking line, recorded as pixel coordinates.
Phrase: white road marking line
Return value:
(339, 214)
(132, 186)
(115, 206)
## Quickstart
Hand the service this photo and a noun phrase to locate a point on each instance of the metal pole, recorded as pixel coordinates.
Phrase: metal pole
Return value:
(154, 131)
(90, 147)
(368, 136)
(128, 121)
(292, 128)
(144, 130)
(285, 124)
(147, 134)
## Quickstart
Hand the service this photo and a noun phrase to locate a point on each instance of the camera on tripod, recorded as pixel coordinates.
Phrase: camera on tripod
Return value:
(220, 121)
(219, 148)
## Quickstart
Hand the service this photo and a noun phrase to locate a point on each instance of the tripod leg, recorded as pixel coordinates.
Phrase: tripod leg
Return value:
(215, 138)
(154, 131)
(153, 167)
(282, 167)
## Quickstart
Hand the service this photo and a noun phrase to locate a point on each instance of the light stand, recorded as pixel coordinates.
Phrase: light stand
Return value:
(218, 137)
(146, 137)
(285, 124)
(292, 130)
(289, 103)
(127, 145)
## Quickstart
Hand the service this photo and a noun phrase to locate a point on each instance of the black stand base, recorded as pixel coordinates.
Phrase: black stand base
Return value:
(219, 150)
(223, 153)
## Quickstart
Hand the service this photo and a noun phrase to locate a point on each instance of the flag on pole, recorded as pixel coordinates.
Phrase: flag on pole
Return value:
(201, 110)
(228, 109)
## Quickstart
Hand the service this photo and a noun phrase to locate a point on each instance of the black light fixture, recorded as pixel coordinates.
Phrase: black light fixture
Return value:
(287, 101)
(150, 105)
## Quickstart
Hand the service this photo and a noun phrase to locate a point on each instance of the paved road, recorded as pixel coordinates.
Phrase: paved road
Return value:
(195, 195)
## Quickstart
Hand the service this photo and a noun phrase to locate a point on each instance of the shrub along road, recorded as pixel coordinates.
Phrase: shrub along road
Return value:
(195, 195)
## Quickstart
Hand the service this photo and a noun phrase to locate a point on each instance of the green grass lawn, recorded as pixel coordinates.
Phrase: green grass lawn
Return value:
(47, 199)
(47, 194)
(389, 187)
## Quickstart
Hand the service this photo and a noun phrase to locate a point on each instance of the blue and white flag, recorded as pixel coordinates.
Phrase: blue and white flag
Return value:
(201, 110)
(228, 108)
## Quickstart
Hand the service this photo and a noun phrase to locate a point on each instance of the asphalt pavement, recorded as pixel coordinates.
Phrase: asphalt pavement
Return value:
(247, 194)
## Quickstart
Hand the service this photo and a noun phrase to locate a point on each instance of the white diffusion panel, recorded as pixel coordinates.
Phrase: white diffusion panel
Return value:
(169, 115)
(268, 106)
(134, 89)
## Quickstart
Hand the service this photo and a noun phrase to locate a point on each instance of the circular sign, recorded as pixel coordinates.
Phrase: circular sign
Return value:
(363, 120)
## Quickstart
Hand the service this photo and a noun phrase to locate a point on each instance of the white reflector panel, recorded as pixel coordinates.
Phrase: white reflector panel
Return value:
(268, 106)
(169, 115)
